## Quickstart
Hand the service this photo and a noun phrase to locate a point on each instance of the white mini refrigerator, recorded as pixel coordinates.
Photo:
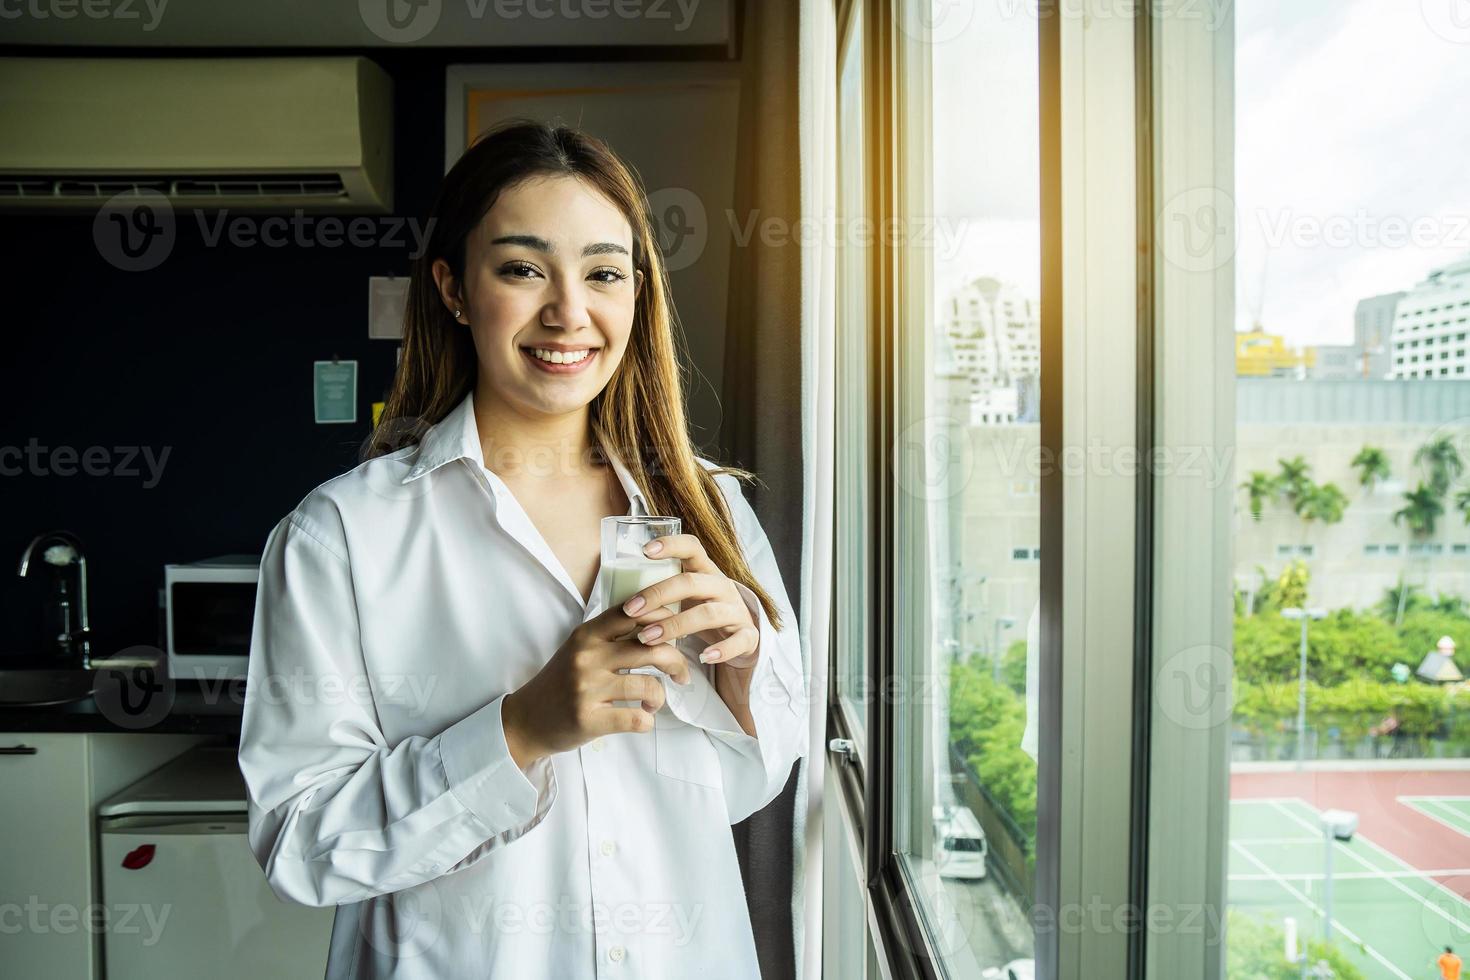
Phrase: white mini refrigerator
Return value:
(185, 896)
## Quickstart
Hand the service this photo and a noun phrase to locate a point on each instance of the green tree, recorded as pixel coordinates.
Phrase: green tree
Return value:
(1423, 507)
(1293, 479)
(1260, 488)
(1443, 461)
(1256, 950)
(1372, 466)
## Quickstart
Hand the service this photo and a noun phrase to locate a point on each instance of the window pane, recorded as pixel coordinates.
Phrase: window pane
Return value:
(968, 475)
(853, 465)
(1352, 442)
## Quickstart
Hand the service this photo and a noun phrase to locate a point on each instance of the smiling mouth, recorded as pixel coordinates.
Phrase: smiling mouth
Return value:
(561, 362)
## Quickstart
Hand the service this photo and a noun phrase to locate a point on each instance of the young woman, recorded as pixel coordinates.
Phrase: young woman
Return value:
(441, 732)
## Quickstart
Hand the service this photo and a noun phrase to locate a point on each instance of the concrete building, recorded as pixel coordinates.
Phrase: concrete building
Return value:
(1432, 324)
(1259, 354)
(987, 564)
(1326, 423)
(1373, 334)
(994, 332)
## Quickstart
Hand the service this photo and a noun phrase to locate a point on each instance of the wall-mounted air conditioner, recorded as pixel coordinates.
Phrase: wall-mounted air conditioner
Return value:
(243, 133)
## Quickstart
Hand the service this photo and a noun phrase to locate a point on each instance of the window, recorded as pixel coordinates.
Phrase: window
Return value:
(854, 463)
(964, 803)
(1368, 557)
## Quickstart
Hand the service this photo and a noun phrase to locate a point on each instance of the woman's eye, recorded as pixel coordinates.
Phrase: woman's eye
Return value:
(518, 270)
(612, 275)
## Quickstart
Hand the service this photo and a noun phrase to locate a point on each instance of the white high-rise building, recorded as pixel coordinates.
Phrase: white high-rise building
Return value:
(1431, 330)
(994, 332)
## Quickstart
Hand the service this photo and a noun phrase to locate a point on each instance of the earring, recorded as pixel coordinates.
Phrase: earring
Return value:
(457, 314)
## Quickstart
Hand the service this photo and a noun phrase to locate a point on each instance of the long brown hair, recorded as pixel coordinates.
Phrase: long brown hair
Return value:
(640, 414)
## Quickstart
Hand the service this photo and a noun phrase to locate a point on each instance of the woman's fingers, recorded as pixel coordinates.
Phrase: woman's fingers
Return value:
(711, 615)
(644, 688)
(665, 656)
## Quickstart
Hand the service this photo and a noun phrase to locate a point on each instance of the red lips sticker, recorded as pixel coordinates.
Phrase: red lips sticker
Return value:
(138, 857)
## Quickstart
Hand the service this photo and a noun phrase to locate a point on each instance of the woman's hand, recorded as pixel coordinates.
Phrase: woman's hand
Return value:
(569, 701)
(712, 608)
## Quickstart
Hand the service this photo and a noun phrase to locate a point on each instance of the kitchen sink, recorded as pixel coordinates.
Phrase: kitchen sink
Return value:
(44, 686)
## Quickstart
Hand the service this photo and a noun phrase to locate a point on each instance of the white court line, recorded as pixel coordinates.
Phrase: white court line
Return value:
(1421, 804)
(1365, 863)
(1317, 909)
(1377, 875)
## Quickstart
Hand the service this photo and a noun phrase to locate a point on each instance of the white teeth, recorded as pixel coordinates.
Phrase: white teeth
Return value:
(557, 357)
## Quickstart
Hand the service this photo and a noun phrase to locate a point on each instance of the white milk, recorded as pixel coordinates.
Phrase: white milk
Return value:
(626, 576)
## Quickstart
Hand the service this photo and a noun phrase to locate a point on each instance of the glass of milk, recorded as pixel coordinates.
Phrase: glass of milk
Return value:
(626, 570)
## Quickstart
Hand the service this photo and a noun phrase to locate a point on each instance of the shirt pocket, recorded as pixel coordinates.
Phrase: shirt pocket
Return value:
(684, 751)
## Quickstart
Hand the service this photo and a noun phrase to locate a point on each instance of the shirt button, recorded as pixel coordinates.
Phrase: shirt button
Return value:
(616, 954)
(608, 847)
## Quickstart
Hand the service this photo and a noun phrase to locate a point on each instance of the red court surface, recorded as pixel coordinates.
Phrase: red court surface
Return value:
(1415, 838)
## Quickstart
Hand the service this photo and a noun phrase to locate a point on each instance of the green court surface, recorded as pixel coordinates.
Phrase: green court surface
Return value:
(1452, 811)
(1391, 919)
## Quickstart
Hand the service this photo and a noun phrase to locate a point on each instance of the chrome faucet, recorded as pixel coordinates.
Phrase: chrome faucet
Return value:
(62, 548)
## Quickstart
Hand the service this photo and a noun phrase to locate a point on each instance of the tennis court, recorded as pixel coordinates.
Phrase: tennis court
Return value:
(1401, 915)
(1452, 811)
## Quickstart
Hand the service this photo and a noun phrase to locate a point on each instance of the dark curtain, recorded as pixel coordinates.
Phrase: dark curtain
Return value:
(761, 398)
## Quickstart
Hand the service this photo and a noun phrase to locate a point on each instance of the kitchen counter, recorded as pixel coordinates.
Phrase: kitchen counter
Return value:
(164, 707)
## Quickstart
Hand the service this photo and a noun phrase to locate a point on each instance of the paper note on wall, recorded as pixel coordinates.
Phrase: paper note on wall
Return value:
(387, 299)
(334, 391)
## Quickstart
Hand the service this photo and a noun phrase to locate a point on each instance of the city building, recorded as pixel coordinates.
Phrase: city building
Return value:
(994, 336)
(1373, 333)
(1431, 326)
(1259, 354)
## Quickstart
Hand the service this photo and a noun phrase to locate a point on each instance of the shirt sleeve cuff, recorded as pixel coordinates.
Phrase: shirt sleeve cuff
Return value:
(777, 700)
(484, 777)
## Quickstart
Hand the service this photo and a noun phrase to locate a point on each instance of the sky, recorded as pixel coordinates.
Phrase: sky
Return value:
(1352, 153)
(1351, 120)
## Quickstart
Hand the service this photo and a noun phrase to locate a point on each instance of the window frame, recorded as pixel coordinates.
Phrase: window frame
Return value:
(1099, 329)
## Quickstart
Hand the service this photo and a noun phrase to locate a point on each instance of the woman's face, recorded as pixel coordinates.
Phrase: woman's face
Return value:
(549, 267)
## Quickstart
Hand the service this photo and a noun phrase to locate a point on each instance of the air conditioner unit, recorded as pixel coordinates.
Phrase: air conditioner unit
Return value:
(246, 133)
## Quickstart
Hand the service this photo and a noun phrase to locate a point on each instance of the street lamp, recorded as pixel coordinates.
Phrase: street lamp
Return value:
(1305, 615)
(1337, 825)
(1001, 623)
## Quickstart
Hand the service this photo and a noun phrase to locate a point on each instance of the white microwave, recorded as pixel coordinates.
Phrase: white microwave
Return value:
(209, 612)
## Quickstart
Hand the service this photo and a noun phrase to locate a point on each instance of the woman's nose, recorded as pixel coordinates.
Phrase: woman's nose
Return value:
(566, 307)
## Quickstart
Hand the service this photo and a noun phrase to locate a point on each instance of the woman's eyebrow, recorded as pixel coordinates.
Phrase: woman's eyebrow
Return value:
(542, 245)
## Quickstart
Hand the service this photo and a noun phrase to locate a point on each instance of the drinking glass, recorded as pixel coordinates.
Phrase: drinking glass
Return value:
(626, 570)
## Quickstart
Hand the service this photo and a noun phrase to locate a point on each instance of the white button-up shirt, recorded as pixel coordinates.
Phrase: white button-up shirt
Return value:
(397, 604)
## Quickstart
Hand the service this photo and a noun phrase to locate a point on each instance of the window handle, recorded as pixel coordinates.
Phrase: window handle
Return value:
(844, 748)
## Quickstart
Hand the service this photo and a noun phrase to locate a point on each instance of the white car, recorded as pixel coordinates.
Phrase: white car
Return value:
(1014, 970)
(960, 847)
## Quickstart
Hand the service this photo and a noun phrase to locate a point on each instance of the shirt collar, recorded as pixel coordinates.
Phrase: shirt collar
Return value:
(457, 436)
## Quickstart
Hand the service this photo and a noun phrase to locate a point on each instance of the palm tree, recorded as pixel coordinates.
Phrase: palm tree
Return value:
(1462, 504)
(1422, 510)
(1372, 466)
(1324, 503)
(1260, 488)
(1399, 598)
(1294, 478)
(1443, 460)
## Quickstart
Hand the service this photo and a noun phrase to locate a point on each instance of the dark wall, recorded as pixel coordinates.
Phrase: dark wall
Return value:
(206, 357)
